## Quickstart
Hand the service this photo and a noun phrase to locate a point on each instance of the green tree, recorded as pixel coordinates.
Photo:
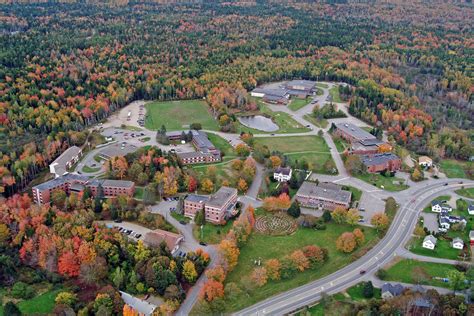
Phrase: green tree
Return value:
(118, 277)
(189, 271)
(200, 219)
(368, 290)
(456, 279)
(66, 298)
(327, 216)
(11, 309)
(294, 210)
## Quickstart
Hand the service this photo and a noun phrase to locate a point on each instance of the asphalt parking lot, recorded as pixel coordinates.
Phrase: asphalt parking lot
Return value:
(137, 229)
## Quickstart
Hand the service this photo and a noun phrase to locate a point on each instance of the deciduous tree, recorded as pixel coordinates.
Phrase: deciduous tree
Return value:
(346, 242)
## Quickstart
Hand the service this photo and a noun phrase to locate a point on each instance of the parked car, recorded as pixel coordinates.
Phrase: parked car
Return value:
(118, 220)
(202, 243)
(138, 235)
(182, 222)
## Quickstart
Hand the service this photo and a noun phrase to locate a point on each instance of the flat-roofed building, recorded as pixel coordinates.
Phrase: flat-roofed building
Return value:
(351, 132)
(65, 161)
(194, 203)
(218, 207)
(205, 152)
(381, 162)
(76, 184)
(306, 86)
(324, 195)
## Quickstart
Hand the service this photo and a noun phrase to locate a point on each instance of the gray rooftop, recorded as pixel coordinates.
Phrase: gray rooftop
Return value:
(325, 191)
(395, 289)
(271, 92)
(139, 305)
(118, 183)
(431, 238)
(371, 142)
(67, 155)
(306, 84)
(274, 98)
(457, 239)
(221, 197)
(202, 141)
(197, 198)
(60, 180)
(355, 131)
(193, 154)
(283, 170)
(378, 159)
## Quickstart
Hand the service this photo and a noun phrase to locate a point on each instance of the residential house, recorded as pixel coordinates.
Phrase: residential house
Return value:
(217, 208)
(444, 224)
(425, 161)
(324, 195)
(457, 243)
(157, 236)
(381, 162)
(470, 209)
(429, 242)
(282, 174)
(438, 207)
(141, 307)
(65, 161)
(76, 184)
(389, 291)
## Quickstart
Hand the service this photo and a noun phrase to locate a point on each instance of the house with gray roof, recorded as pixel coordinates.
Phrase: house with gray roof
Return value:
(326, 196)
(391, 290)
(429, 242)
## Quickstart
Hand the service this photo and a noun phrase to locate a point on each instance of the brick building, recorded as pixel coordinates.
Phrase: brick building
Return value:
(76, 184)
(217, 208)
(205, 152)
(381, 162)
(326, 196)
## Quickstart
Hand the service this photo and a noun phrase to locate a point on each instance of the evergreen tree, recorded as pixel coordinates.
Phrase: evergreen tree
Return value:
(200, 219)
(327, 216)
(294, 210)
(11, 309)
(368, 290)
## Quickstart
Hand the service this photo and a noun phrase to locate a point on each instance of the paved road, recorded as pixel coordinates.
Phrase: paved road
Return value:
(398, 234)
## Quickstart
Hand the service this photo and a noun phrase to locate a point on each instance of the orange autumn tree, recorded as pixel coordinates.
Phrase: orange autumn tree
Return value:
(128, 311)
(280, 203)
(299, 260)
(273, 267)
(212, 290)
(68, 264)
(259, 276)
(346, 242)
(230, 253)
(217, 274)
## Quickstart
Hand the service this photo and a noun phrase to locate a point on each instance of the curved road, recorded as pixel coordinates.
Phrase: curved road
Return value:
(396, 237)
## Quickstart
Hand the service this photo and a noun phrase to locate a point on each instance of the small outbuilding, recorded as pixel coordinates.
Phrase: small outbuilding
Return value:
(457, 243)
(425, 161)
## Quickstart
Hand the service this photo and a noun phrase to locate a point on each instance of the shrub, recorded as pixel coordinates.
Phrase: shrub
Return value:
(381, 274)
(22, 290)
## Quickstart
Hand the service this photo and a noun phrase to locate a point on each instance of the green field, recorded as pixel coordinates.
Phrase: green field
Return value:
(42, 304)
(88, 169)
(316, 161)
(469, 193)
(266, 247)
(403, 271)
(180, 217)
(322, 85)
(320, 123)
(290, 144)
(389, 183)
(341, 144)
(297, 103)
(178, 115)
(212, 234)
(356, 193)
(454, 168)
(334, 93)
(221, 144)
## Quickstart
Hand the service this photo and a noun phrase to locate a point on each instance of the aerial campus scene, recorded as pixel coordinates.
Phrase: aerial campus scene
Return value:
(236, 157)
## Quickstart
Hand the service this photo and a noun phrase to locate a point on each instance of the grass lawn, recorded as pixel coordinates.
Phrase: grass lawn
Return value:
(322, 85)
(212, 234)
(88, 169)
(427, 208)
(356, 292)
(356, 193)
(320, 123)
(97, 158)
(454, 168)
(389, 183)
(291, 144)
(443, 249)
(413, 271)
(469, 193)
(41, 304)
(221, 144)
(341, 144)
(178, 115)
(297, 103)
(144, 139)
(266, 247)
(180, 217)
(334, 93)
(316, 161)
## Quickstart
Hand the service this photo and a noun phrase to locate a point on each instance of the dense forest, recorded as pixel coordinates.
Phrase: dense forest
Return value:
(65, 66)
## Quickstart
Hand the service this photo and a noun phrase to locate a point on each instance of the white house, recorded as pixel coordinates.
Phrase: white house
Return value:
(429, 242)
(470, 209)
(282, 174)
(425, 162)
(438, 207)
(457, 243)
